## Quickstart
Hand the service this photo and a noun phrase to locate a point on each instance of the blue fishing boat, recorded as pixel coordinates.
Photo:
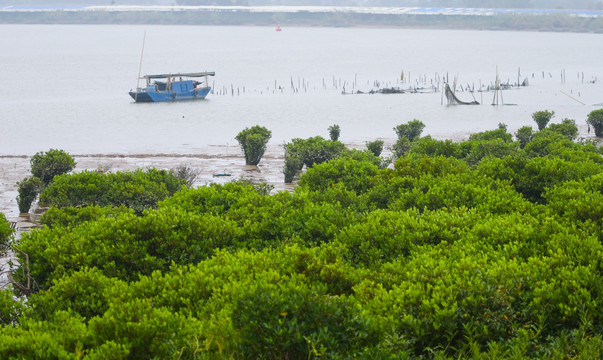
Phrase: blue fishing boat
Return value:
(173, 87)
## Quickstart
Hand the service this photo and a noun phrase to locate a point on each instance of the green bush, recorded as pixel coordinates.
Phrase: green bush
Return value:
(458, 190)
(28, 190)
(58, 338)
(411, 130)
(355, 175)
(139, 328)
(293, 320)
(595, 119)
(579, 200)
(10, 308)
(418, 165)
(384, 236)
(47, 165)
(308, 152)
(253, 143)
(432, 147)
(86, 292)
(542, 118)
(127, 246)
(532, 176)
(334, 131)
(214, 199)
(524, 135)
(567, 128)
(546, 142)
(72, 216)
(498, 134)
(138, 190)
(401, 147)
(293, 164)
(5, 234)
(475, 150)
(436, 258)
(376, 147)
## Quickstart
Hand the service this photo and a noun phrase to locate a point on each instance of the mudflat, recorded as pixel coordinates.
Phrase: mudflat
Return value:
(215, 160)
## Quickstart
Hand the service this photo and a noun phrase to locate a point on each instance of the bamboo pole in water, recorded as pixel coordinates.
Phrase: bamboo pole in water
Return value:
(571, 97)
(144, 37)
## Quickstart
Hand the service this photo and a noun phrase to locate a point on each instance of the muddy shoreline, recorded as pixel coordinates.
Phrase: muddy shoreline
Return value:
(211, 160)
(215, 160)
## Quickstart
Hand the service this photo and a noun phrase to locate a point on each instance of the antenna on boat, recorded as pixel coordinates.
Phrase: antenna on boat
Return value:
(144, 37)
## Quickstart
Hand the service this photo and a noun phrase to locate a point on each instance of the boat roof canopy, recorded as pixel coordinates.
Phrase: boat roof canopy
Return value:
(165, 76)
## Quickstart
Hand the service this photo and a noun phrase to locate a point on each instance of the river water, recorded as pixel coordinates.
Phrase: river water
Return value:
(65, 86)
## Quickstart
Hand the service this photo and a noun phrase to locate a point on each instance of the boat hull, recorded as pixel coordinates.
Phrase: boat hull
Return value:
(167, 96)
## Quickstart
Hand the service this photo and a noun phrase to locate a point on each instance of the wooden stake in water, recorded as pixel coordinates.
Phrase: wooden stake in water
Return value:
(571, 97)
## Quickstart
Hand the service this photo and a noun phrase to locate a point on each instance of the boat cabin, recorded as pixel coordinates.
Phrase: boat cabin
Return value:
(172, 87)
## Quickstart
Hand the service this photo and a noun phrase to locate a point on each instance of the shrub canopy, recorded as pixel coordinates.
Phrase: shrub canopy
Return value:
(46, 165)
(479, 249)
(253, 143)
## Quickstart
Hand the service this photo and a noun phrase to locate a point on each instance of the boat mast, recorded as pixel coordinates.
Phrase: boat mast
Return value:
(144, 37)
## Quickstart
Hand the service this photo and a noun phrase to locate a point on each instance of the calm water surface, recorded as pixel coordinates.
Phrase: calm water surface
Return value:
(65, 86)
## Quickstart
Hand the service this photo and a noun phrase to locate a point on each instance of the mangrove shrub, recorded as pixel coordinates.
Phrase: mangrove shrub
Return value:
(47, 165)
(411, 130)
(334, 132)
(5, 234)
(253, 143)
(473, 250)
(567, 128)
(407, 134)
(376, 147)
(542, 118)
(595, 119)
(138, 190)
(308, 152)
(524, 135)
(28, 190)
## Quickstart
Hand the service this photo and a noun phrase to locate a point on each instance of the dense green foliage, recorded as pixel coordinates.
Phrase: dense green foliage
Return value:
(71, 216)
(567, 128)
(308, 152)
(5, 235)
(595, 119)
(334, 131)
(253, 142)
(46, 165)
(138, 190)
(524, 135)
(28, 189)
(542, 118)
(10, 309)
(477, 249)
(411, 130)
(407, 134)
(376, 147)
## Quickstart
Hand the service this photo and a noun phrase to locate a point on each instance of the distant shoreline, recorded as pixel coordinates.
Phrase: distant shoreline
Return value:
(429, 18)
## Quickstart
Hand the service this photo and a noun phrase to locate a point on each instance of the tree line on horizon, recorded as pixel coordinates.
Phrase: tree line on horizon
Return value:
(519, 4)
